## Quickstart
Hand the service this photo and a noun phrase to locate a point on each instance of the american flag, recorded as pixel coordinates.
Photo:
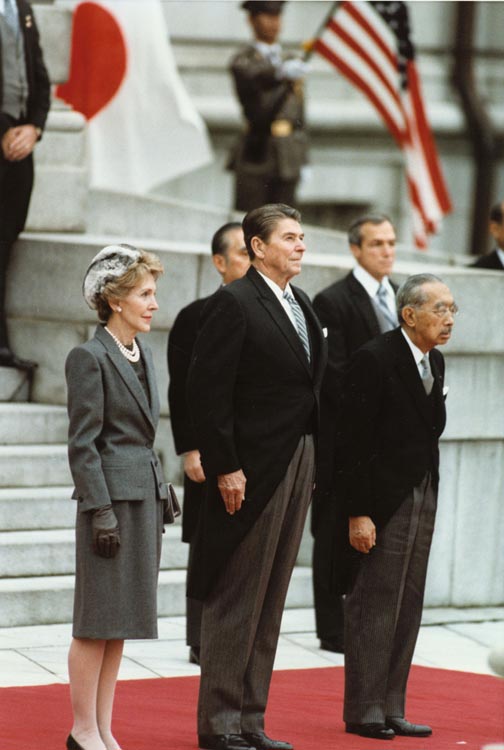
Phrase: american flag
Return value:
(369, 43)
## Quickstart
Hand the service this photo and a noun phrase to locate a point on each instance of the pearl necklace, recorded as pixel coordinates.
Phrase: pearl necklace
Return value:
(132, 355)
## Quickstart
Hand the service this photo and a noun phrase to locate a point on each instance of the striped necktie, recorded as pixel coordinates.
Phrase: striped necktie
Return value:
(426, 374)
(300, 323)
(382, 301)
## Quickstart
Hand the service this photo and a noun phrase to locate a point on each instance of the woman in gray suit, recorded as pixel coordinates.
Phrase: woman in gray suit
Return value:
(113, 407)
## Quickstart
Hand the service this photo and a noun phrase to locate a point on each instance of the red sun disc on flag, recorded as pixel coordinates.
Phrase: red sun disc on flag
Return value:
(98, 60)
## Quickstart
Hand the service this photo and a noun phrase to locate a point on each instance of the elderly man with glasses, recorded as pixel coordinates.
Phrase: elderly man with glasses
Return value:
(393, 413)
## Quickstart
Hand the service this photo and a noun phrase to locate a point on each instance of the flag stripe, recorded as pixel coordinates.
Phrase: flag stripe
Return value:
(384, 100)
(428, 144)
(375, 28)
(350, 39)
(358, 81)
(359, 42)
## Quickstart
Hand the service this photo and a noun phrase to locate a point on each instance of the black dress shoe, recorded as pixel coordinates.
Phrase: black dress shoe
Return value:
(260, 741)
(194, 654)
(335, 646)
(223, 742)
(73, 744)
(375, 731)
(9, 359)
(406, 729)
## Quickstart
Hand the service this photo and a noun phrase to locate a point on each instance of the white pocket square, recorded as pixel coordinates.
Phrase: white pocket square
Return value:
(324, 331)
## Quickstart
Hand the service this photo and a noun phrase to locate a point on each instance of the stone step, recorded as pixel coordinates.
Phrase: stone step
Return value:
(14, 385)
(52, 552)
(48, 599)
(34, 508)
(23, 423)
(39, 508)
(34, 466)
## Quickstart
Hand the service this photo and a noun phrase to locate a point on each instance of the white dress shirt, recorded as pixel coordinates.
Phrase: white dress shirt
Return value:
(272, 52)
(417, 353)
(279, 292)
(371, 285)
(500, 253)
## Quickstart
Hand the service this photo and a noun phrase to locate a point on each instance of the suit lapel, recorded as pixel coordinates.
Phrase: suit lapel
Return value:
(364, 305)
(151, 383)
(410, 376)
(279, 317)
(316, 336)
(127, 373)
(437, 393)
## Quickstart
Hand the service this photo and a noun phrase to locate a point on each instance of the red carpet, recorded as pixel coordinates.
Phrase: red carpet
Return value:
(465, 711)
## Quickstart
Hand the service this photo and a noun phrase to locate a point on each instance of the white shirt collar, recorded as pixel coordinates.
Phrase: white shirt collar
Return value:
(277, 290)
(417, 353)
(268, 50)
(370, 284)
(500, 253)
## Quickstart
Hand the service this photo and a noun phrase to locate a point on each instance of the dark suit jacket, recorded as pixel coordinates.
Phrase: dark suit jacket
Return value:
(112, 426)
(389, 428)
(180, 346)
(490, 260)
(265, 98)
(347, 312)
(38, 79)
(253, 394)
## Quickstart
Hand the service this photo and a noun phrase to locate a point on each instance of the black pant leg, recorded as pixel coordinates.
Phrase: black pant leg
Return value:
(16, 182)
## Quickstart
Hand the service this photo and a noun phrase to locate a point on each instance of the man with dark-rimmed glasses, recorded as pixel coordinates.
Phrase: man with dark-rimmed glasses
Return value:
(393, 414)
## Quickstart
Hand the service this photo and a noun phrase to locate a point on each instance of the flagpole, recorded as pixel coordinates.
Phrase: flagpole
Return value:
(309, 51)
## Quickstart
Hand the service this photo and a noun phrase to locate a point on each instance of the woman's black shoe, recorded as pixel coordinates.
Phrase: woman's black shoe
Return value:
(73, 744)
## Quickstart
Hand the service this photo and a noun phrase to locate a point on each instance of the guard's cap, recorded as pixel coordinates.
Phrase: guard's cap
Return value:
(254, 7)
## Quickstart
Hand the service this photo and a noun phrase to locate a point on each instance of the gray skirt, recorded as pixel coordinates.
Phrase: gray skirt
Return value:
(117, 598)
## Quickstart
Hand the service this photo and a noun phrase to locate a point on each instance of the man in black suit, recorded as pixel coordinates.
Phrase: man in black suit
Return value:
(392, 416)
(253, 388)
(495, 259)
(268, 159)
(354, 310)
(231, 260)
(24, 104)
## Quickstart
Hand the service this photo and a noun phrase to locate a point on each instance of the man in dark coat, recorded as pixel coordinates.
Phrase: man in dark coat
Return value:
(24, 104)
(231, 260)
(495, 259)
(253, 389)
(354, 310)
(268, 158)
(392, 416)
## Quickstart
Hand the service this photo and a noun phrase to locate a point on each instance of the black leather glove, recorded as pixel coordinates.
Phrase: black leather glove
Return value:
(106, 537)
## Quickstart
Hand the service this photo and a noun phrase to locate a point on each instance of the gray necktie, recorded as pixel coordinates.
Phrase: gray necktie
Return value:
(382, 301)
(11, 15)
(426, 374)
(300, 323)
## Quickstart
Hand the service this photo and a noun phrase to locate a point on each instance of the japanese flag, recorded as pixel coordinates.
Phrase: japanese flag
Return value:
(143, 128)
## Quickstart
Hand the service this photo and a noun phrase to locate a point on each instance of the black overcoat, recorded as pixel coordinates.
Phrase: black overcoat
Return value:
(180, 346)
(253, 394)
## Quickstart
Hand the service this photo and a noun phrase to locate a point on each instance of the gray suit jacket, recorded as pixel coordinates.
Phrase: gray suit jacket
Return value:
(112, 426)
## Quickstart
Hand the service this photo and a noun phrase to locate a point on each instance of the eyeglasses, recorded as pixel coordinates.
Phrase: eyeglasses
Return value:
(441, 311)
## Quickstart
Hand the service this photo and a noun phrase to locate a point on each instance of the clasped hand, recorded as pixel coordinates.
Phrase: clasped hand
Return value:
(18, 142)
(106, 537)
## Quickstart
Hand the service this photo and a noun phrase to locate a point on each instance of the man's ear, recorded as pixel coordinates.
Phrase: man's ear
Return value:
(409, 316)
(257, 246)
(494, 228)
(219, 262)
(356, 251)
